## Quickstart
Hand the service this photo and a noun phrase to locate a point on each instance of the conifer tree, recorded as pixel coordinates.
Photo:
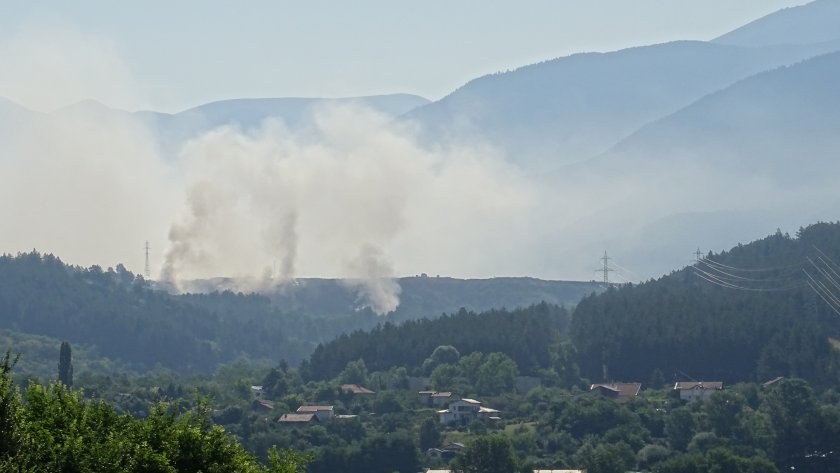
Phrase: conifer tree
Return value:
(65, 365)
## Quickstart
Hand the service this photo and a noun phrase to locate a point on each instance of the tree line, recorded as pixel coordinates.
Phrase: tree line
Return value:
(684, 326)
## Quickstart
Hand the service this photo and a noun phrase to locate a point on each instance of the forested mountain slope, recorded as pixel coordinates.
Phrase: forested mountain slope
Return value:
(122, 317)
(524, 335)
(114, 314)
(746, 314)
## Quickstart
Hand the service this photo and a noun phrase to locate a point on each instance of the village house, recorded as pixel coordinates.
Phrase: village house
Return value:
(446, 452)
(262, 405)
(437, 398)
(466, 410)
(697, 390)
(618, 392)
(323, 413)
(443, 398)
(294, 419)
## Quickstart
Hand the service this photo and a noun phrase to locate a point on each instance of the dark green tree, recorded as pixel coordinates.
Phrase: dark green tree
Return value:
(608, 458)
(486, 454)
(355, 372)
(65, 365)
(680, 427)
(496, 375)
(429, 434)
(443, 354)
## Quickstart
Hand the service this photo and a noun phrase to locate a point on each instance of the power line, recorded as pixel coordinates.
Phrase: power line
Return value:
(148, 271)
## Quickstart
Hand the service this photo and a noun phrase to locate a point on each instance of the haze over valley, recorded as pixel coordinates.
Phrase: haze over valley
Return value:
(372, 237)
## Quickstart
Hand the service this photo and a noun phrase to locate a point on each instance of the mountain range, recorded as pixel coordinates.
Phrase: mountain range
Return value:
(674, 145)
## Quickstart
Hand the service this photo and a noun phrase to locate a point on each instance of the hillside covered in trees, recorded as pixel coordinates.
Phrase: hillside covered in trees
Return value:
(747, 314)
(121, 321)
(524, 335)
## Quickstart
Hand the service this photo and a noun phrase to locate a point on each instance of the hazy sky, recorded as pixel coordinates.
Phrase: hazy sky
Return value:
(170, 55)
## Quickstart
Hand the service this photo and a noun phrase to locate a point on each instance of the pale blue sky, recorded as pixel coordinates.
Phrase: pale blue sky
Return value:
(170, 55)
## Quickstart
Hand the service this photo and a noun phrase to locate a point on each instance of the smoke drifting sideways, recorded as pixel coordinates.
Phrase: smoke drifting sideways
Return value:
(340, 198)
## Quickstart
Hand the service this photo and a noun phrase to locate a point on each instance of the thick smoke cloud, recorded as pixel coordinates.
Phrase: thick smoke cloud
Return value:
(345, 198)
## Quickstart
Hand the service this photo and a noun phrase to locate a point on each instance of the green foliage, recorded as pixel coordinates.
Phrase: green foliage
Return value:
(55, 429)
(429, 433)
(496, 375)
(65, 365)
(607, 458)
(682, 323)
(680, 428)
(287, 461)
(486, 454)
(443, 354)
(445, 377)
(354, 373)
(524, 335)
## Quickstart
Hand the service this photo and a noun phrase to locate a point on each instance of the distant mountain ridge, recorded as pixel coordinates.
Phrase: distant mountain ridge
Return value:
(172, 130)
(780, 123)
(815, 22)
(576, 107)
(420, 296)
(758, 155)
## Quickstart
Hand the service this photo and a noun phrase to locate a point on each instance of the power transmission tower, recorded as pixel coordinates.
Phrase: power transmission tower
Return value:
(698, 255)
(148, 271)
(606, 269)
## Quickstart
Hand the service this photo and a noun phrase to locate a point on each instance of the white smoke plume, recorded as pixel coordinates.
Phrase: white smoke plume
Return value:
(333, 200)
(374, 285)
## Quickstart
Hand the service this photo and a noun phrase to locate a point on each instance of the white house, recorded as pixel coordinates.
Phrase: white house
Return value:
(323, 413)
(465, 410)
(697, 390)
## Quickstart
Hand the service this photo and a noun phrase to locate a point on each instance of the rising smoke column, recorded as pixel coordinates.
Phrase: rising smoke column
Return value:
(342, 199)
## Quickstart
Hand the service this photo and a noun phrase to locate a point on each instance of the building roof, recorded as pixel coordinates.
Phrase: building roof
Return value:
(453, 446)
(264, 403)
(355, 389)
(314, 408)
(441, 394)
(470, 401)
(683, 385)
(297, 418)
(622, 389)
(773, 381)
(487, 410)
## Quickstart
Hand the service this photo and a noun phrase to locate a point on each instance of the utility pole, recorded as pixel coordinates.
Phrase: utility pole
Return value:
(148, 271)
(606, 269)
